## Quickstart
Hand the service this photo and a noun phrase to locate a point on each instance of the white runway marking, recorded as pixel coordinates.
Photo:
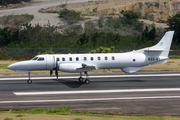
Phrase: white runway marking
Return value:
(98, 76)
(97, 91)
(92, 99)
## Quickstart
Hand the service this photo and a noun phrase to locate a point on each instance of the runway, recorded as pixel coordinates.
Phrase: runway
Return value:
(141, 93)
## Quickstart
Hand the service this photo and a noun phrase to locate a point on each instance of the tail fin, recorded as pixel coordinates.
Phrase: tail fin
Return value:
(162, 48)
(164, 44)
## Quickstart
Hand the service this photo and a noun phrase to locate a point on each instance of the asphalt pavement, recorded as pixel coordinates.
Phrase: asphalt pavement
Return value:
(141, 93)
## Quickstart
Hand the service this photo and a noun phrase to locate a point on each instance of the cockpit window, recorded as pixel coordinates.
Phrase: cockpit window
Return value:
(41, 59)
(35, 58)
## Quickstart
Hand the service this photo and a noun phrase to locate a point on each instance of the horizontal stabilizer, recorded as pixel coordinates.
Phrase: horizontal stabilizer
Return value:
(154, 50)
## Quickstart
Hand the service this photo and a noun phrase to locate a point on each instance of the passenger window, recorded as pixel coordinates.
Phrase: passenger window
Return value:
(113, 58)
(41, 59)
(85, 58)
(99, 58)
(63, 59)
(91, 58)
(77, 59)
(70, 59)
(106, 58)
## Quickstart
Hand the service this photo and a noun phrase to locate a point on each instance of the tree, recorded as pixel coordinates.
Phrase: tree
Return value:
(5, 36)
(149, 34)
(130, 16)
(174, 24)
(83, 39)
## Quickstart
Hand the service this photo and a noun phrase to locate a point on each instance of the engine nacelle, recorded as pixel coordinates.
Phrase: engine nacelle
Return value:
(70, 67)
(131, 69)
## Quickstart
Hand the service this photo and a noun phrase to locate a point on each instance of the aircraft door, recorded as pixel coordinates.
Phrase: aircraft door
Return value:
(50, 63)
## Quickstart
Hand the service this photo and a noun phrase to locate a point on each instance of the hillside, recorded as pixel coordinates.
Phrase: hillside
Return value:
(154, 10)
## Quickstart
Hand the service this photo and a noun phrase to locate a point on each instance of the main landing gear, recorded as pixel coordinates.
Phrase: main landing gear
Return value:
(29, 81)
(82, 80)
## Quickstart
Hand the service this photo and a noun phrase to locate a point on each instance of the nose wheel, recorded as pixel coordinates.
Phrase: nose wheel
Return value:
(29, 81)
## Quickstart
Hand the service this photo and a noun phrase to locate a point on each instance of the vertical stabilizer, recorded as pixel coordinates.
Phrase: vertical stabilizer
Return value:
(164, 44)
(162, 48)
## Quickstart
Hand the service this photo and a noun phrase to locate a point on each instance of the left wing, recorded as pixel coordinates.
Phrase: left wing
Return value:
(86, 67)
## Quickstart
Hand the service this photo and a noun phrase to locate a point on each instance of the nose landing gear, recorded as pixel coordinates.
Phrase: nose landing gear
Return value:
(29, 81)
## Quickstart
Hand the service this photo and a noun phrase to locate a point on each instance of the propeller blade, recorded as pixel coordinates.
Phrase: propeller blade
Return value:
(51, 72)
(56, 74)
(57, 68)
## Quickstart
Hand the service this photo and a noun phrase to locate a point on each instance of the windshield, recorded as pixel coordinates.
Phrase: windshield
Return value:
(35, 58)
(41, 59)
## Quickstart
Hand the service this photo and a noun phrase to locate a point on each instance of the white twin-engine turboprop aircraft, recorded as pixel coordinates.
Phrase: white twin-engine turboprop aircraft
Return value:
(128, 62)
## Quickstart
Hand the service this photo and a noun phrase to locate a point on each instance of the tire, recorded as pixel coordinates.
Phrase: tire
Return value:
(80, 79)
(87, 81)
(29, 81)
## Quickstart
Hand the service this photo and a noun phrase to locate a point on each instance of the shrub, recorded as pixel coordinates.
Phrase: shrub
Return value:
(70, 15)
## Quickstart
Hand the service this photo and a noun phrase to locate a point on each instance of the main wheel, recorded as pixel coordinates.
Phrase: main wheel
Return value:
(87, 81)
(29, 81)
(80, 79)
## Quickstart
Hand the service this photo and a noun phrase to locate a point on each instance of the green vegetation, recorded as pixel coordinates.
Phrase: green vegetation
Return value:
(8, 118)
(6, 2)
(19, 115)
(130, 17)
(70, 16)
(123, 33)
(59, 111)
(3, 66)
(102, 49)
(43, 114)
(174, 24)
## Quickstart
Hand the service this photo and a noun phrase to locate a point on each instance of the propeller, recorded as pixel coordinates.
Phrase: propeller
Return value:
(56, 72)
(51, 72)
(57, 68)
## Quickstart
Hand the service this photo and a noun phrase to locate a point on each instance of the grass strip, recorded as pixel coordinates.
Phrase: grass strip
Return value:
(66, 113)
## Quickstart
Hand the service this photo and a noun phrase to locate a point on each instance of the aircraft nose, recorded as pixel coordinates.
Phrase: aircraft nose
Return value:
(17, 66)
(12, 67)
